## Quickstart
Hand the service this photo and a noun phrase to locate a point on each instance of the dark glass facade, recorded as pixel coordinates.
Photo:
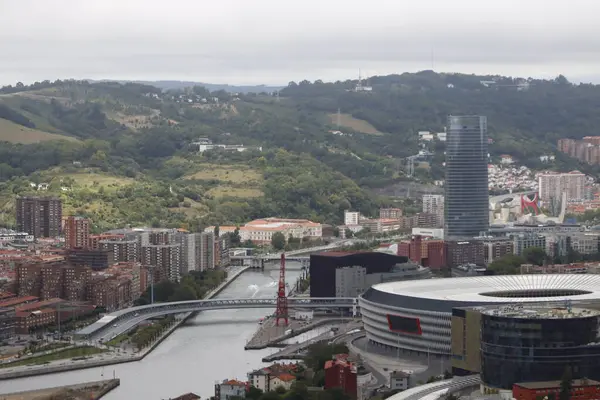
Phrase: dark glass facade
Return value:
(466, 197)
(532, 350)
(323, 265)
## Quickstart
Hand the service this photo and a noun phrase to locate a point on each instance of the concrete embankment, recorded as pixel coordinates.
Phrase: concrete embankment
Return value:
(88, 390)
(257, 343)
(92, 363)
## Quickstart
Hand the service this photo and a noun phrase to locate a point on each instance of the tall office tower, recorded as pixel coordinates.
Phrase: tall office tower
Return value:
(39, 216)
(77, 232)
(434, 204)
(466, 187)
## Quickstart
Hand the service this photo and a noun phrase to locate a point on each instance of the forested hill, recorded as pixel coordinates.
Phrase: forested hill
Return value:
(126, 156)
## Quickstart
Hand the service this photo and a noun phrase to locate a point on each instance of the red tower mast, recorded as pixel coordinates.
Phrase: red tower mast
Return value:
(282, 304)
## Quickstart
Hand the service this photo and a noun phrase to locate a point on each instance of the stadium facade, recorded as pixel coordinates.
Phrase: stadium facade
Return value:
(415, 316)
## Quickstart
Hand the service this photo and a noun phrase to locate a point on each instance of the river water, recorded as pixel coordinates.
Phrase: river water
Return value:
(204, 350)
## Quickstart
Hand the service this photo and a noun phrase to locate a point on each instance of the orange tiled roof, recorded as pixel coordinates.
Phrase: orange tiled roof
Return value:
(287, 377)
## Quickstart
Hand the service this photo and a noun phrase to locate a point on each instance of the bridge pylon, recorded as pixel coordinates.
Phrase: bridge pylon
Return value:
(281, 312)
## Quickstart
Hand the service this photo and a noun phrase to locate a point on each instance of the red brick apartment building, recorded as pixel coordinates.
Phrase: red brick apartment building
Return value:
(52, 280)
(340, 373)
(77, 232)
(426, 252)
(583, 389)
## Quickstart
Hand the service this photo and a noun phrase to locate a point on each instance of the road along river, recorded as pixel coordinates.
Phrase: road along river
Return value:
(206, 349)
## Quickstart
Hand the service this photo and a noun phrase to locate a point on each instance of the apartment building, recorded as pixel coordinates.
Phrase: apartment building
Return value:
(77, 232)
(122, 250)
(464, 252)
(205, 252)
(526, 240)
(164, 259)
(434, 204)
(553, 185)
(49, 281)
(39, 216)
(390, 213)
(586, 150)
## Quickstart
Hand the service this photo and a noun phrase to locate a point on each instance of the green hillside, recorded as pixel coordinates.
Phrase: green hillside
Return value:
(128, 159)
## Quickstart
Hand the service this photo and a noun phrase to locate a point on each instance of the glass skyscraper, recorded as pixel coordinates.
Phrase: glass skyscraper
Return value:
(466, 186)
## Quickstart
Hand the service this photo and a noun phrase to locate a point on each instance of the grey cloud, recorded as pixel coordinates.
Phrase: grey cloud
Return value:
(270, 41)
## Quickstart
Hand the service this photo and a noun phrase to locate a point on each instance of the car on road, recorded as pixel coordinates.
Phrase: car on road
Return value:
(137, 314)
(115, 325)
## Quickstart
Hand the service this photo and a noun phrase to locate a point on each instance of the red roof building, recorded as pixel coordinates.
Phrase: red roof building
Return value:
(341, 374)
(582, 389)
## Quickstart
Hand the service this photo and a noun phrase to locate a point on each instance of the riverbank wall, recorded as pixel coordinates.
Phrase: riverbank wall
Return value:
(51, 369)
(96, 390)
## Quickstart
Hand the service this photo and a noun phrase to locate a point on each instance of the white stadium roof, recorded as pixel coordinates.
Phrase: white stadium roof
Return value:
(499, 288)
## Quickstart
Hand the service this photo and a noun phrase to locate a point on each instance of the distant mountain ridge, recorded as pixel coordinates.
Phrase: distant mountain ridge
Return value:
(167, 85)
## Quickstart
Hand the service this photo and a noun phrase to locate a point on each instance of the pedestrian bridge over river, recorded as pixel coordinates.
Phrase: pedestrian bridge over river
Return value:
(123, 320)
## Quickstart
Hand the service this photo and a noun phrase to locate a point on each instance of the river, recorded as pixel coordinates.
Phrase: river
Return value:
(206, 349)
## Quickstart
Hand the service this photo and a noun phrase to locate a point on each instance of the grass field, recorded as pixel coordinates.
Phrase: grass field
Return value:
(358, 125)
(59, 355)
(93, 180)
(226, 173)
(230, 191)
(15, 133)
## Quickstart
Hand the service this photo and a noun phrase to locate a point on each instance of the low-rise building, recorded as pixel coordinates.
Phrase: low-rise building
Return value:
(229, 389)
(399, 380)
(269, 378)
(27, 321)
(260, 231)
(581, 389)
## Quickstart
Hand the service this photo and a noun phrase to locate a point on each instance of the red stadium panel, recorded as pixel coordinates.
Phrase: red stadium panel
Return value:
(410, 325)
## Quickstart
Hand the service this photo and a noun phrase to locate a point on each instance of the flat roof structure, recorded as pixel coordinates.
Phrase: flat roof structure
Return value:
(498, 289)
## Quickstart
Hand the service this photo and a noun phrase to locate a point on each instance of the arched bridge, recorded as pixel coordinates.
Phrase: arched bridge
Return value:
(122, 321)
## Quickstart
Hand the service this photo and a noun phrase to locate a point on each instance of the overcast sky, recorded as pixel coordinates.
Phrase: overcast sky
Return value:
(276, 41)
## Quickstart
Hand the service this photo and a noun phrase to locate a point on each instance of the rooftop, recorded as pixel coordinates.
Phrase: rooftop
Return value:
(499, 289)
(533, 312)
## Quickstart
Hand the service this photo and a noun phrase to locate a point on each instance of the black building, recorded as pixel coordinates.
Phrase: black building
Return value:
(39, 216)
(95, 259)
(466, 186)
(531, 345)
(324, 265)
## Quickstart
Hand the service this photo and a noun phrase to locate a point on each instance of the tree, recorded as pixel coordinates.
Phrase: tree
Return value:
(566, 384)
(535, 255)
(253, 393)
(278, 241)
(216, 231)
(235, 237)
(506, 265)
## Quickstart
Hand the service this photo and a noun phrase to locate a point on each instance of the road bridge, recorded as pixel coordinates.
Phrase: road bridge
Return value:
(259, 261)
(122, 321)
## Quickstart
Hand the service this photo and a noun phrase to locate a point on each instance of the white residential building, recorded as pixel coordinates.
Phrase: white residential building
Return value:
(351, 217)
(229, 389)
(434, 204)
